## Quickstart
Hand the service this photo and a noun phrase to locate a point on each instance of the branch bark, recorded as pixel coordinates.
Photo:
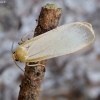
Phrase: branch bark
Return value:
(48, 20)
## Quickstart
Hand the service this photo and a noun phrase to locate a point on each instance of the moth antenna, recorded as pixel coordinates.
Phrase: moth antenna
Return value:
(12, 47)
(13, 40)
(17, 64)
(15, 61)
(22, 39)
(22, 69)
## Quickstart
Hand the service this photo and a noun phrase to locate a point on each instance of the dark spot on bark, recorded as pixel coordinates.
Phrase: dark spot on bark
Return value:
(38, 73)
(44, 69)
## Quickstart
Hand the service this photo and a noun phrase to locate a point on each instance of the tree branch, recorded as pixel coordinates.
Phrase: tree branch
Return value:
(48, 20)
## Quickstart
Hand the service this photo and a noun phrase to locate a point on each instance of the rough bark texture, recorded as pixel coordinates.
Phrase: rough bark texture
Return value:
(30, 88)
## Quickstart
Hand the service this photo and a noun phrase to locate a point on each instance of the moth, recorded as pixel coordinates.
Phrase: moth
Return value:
(62, 40)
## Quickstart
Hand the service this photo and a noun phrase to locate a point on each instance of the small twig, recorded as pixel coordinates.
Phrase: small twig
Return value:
(48, 20)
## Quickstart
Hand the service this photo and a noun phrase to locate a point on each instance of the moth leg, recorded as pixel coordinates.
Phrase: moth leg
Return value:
(34, 64)
(22, 39)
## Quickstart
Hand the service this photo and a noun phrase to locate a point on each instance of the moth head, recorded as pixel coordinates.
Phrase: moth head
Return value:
(15, 57)
(20, 54)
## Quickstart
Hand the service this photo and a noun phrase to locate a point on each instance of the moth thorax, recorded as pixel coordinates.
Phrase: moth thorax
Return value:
(21, 54)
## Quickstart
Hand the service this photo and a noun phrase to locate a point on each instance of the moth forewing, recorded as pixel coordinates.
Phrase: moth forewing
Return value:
(63, 40)
(88, 24)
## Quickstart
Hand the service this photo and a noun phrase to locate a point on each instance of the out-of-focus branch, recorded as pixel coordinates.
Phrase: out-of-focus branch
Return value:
(48, 20)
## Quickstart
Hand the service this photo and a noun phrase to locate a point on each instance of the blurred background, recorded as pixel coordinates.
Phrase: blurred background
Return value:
(71, 77)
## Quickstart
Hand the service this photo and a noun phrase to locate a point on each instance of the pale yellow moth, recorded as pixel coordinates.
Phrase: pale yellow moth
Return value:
(63, 40)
